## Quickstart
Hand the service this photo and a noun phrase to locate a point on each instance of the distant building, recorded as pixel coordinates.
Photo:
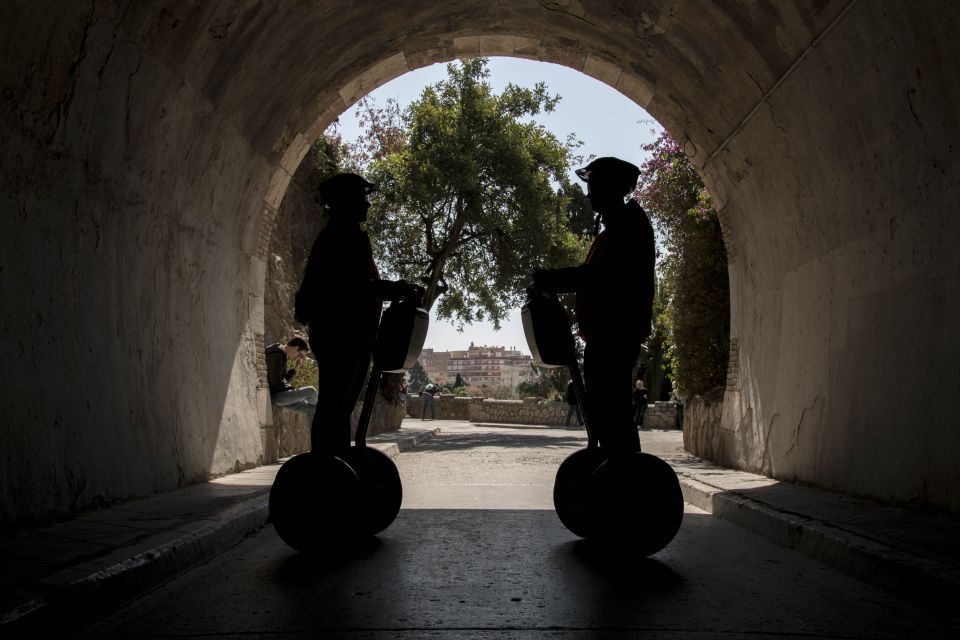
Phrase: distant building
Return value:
(436, 364)
(490, 367)
(478, 366)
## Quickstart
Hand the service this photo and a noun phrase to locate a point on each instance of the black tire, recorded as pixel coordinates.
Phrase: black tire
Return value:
(573, 493)
(313, 502)
(381, 491)
(638, 503)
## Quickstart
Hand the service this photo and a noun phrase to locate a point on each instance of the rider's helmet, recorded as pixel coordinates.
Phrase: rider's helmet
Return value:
(612, 173)
(343, 186)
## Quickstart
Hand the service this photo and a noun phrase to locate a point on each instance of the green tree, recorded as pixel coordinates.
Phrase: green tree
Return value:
(331, 155)
(654, 363)
(546, 382)
(693, 270)
(307, 374)
(458, 382)
(473, 194)
(418, 377)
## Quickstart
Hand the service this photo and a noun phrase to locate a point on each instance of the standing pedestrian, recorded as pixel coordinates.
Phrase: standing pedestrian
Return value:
(403, 396)
(426, 400)
(639, 403)
(573, 407)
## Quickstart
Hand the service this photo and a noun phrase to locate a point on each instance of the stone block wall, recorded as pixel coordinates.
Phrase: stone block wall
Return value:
(527, 411)
(292, 429)
(701, 426)
(446, 407)
(660, 415)
(663, 415)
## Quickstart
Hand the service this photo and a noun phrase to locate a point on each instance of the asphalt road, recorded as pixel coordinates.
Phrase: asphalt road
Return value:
(477, 552)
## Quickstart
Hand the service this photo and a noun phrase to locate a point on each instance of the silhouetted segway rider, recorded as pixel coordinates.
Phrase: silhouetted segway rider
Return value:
(614, 299)
(340, 299)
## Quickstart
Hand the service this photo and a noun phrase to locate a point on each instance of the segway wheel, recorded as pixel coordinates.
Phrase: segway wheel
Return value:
(573, 492)
(313, 502)
(380, 489)
(637, 503)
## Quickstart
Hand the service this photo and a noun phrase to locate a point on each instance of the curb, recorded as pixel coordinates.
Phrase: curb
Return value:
(79, 595)
(394, 449)
(923, 581)
(81, 599)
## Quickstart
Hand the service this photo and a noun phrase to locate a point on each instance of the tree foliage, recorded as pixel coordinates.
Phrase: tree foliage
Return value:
(693, 276)
(307, 374)
(331, 155)
(546, 382)
(473, 194)
(418, 377)
(654, 364)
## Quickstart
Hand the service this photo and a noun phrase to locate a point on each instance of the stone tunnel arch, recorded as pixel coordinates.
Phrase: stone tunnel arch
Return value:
(826, 131)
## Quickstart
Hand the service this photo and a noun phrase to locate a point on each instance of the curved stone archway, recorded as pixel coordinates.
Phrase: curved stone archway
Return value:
(147, 145)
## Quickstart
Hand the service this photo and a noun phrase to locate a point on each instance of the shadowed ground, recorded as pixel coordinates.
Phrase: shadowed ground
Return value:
(499, 571)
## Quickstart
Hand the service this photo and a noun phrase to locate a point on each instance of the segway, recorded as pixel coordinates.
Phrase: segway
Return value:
(320, 501)
(630, 498)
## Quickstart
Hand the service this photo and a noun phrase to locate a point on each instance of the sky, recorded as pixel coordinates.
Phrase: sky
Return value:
(607, 122)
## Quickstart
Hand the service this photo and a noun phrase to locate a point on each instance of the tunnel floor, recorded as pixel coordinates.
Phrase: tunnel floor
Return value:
(476, 554)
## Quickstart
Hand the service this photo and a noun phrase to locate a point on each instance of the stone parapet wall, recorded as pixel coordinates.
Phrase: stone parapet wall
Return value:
(701, 427)
(528, 411)
(663, 415)
(292, 428)
(446, 407)
(659, 415)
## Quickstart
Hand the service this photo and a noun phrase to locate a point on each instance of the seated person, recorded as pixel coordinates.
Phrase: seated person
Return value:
(282, 393)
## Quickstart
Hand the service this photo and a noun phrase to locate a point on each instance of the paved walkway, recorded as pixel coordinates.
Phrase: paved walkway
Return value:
(105, 557)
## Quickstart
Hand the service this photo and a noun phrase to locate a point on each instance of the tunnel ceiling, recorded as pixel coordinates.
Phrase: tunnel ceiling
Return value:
(699, 68)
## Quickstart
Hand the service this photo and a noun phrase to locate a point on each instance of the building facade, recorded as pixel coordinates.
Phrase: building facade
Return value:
(490, 367)
(436, 364)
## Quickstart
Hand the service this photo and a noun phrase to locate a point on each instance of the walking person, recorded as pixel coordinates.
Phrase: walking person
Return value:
(639, 403)
(573, 407)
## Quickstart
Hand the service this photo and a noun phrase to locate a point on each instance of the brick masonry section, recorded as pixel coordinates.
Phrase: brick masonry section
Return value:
(261, 361)
(733, 367)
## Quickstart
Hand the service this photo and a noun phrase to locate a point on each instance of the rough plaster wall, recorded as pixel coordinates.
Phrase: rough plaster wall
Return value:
(299, 219)
(125, 199)
(847, 300)
(147, 145)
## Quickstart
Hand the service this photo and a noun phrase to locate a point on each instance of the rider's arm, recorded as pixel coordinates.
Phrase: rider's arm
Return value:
(390, 289)
(559, 280)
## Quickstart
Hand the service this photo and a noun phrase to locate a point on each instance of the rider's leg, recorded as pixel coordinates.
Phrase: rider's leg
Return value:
(608, 371)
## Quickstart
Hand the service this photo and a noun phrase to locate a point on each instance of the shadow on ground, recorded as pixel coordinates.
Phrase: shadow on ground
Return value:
(446, 442)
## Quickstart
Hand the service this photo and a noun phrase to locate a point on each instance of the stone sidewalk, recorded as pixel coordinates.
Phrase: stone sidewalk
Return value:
(913, 555)
(103, 558)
